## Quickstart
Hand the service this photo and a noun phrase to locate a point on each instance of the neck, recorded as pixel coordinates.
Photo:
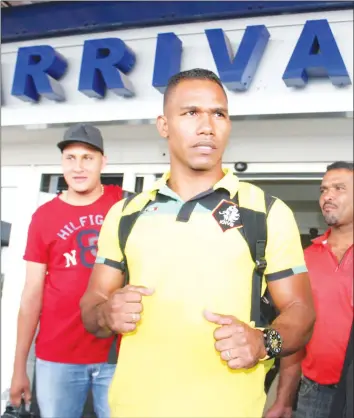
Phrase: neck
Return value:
(341, 235)
(84, 198)
(188, 183)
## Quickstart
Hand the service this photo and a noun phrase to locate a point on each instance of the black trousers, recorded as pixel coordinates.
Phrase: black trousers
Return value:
(342, 406)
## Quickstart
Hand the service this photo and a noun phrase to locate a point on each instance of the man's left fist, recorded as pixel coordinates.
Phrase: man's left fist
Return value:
(238, 344)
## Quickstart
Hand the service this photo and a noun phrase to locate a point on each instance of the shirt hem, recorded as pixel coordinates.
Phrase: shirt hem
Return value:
(65, 360)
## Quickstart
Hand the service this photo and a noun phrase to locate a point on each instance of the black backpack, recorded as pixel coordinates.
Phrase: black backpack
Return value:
(21, 412)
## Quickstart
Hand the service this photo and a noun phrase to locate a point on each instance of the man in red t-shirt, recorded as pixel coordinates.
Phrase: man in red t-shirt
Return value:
(60, 252)
(330, 264)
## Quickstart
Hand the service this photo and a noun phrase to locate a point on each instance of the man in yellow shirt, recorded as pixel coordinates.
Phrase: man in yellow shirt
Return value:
(189, 347)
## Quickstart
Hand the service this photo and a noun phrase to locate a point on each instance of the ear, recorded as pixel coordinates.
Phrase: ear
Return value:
(162, 126)
(104, 162)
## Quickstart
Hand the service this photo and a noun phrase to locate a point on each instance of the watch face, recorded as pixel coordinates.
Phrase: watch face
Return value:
(274, 341)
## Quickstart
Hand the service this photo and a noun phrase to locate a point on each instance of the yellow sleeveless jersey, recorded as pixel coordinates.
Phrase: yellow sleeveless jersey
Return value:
(195, 258)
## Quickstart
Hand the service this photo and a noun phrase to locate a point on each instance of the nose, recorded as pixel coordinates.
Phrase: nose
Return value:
(328, 195)
(206, 126)
(78, 167)
(327, 198)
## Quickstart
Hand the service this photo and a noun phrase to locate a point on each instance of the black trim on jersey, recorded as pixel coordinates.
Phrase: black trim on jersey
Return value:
(279, 275)
(211, 200)
(112, 263)
(186, 211)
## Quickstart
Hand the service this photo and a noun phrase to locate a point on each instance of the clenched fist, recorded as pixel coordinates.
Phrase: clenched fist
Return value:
(121, 312)
(238, 344)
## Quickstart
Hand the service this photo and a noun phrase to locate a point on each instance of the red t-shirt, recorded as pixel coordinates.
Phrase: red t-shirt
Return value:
(332, 287)
(64, 237)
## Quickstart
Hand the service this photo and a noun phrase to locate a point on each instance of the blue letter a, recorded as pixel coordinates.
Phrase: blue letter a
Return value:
(316, 54)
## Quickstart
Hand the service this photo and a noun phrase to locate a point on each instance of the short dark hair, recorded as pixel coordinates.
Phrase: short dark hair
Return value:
(194, 74)
(338, 165)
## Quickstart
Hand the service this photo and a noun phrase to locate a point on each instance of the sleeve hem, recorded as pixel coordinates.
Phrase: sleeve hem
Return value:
(34, 260)
(111, 263)
(285, 273)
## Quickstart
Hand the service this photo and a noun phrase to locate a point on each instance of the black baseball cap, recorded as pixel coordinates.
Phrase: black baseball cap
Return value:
(84, 133)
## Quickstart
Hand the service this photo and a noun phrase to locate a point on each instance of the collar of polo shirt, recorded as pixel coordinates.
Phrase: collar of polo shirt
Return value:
(229, 182)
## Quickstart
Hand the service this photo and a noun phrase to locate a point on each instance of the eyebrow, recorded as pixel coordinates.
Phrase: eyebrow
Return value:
(219, 109)
(69, 154)
(326, 186)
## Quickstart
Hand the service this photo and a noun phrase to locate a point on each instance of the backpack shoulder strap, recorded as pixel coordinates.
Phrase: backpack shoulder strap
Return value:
(133, 206)
(127, 196)
(254, 206)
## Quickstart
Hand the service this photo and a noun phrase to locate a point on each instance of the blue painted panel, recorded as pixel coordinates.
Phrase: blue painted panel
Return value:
(237, 72)
(36, 73)
(59, 18)
(168, 58)
(316, 54)
(102, 61)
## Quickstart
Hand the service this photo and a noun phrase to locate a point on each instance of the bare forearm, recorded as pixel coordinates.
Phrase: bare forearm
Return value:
(295, 325)
(104, 281)
(27, 323)
(289, 378)
(94, 320)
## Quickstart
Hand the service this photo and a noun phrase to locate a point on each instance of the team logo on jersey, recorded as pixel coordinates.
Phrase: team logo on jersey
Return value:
(227, 215)
(151, 209)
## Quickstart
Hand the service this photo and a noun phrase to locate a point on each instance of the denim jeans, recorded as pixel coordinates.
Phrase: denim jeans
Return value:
(62, 388)
(314, 400)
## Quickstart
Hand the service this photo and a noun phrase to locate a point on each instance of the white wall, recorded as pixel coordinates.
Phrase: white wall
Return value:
(267, 95)
(24, 182)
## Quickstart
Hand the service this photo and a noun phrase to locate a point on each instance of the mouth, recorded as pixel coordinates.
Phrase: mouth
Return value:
(79, 179)
(329, 208)
(205, 147)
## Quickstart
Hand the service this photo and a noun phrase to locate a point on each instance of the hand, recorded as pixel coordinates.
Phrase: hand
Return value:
(122, 310)
(239, 344)
(279, 410)
(20, 389)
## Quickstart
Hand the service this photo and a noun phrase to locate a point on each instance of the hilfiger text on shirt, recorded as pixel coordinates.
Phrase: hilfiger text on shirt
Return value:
(73, 226)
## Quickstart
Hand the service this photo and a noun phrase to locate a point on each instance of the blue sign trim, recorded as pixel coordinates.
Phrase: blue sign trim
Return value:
(61, 18)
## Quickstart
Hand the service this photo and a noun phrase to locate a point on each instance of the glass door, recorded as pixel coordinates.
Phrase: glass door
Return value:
(301, 194)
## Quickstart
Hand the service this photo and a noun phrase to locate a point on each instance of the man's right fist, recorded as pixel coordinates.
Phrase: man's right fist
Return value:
(122, 310)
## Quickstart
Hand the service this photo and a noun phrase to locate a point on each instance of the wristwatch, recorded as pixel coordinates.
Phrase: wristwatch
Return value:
(273, 342)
